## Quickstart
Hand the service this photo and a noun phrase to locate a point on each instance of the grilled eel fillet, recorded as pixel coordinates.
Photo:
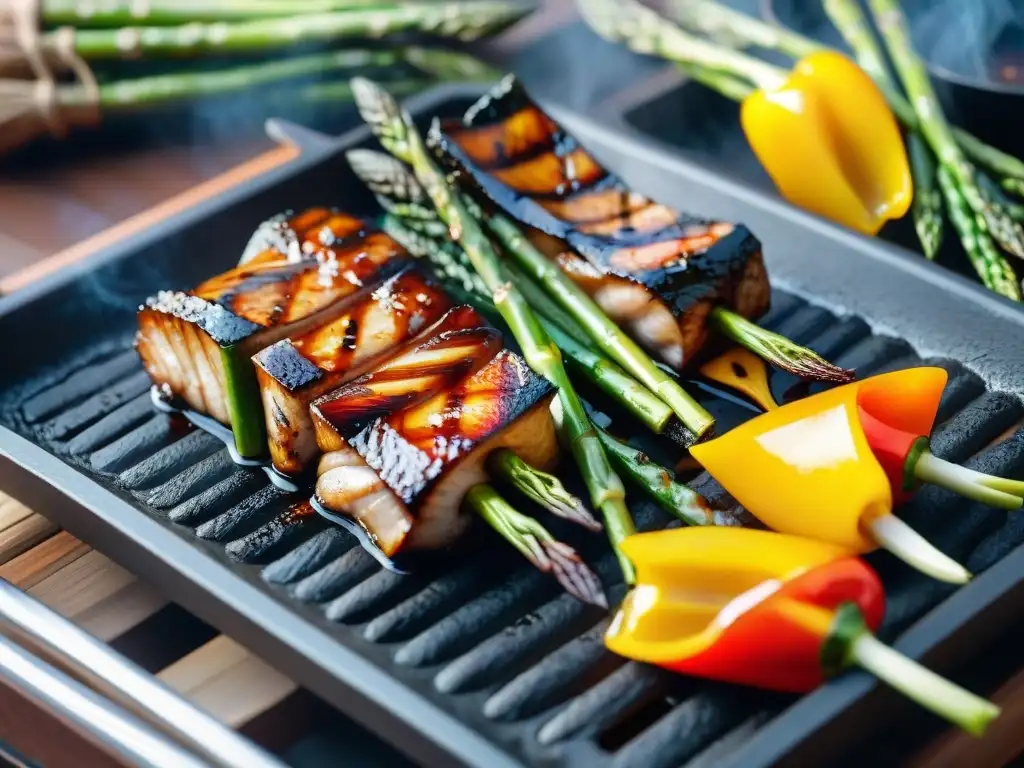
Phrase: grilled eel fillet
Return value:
(293, 371)
(656, 272)
(404, 443)
(196, 345)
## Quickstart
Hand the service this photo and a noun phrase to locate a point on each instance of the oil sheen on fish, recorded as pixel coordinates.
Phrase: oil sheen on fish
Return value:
(655, 271)
(404, 474)
(292, 372)
(196, 345)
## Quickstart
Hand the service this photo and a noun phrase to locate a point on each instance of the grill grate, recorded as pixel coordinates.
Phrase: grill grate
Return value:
(489, 638)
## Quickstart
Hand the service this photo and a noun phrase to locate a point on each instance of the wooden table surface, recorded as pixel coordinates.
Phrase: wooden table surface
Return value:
(53, 212)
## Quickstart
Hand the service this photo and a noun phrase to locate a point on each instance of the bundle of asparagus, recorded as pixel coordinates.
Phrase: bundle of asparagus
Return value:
(28, 111)
(707, 43)
(37, 96)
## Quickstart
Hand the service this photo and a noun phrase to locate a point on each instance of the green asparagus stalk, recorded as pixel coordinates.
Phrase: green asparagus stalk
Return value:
(777, 349)
(703, 16)
(537, 545)
(21, 121)
(416, 226)
(936, 130)
(736, 29)
(540, 487)
(926, 210)
(397, 134)
(122, 95)
(84, 14)
(927, 206)
(645, 31)
(605, 333)
(993, 268)
(657, 482)
(459, 19)
(725, 83)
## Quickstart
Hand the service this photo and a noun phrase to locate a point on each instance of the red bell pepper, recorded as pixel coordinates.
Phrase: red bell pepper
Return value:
(769, 610)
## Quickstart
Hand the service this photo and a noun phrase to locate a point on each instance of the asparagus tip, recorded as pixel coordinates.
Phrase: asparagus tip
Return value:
(574, 574)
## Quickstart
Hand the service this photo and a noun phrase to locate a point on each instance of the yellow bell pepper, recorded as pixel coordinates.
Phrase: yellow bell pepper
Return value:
(769, 610)
(829, 141)
(743, 371)
(808, 469)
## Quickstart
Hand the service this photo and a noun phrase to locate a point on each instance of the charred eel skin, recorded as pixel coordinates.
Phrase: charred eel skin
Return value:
(196, 345)
(654, 270)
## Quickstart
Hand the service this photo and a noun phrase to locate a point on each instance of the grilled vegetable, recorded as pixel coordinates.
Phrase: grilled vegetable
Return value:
(773, 611)
(404, 475)
(294, 371)
(656, 272)
(197, 345)
(808, 468)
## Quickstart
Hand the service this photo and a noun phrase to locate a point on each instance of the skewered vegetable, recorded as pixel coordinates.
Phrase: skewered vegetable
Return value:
(661, 275)
(292, 372)
(838, 462)
(396, 132)
(197, 345)
(784, 614)
(897, 413)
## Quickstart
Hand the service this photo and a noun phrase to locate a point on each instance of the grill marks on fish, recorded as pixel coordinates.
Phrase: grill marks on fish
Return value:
(457, 345)
(403, 476)
(292, 372)
(271, 289)
(183, 336)
(526, 164)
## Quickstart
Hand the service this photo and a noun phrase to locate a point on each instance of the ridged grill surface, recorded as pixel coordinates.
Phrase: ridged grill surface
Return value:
(488, 637)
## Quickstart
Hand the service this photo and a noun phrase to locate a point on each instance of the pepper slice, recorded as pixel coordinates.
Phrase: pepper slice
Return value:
(769, 610)
(897, 413)
(829, 141)
(807, 469)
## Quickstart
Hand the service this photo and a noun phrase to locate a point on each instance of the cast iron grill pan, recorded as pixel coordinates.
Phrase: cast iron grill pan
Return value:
(478, 637)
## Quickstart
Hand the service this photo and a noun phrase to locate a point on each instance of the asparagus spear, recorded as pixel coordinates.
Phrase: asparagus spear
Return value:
(460, 19)
(705, 15)
(935, 129)
(84, 14)
(996, 273)
(417, 227)
(399, 136)
(537, 545)
(927, 206)
(675, 498)
(543, 488)
(21, 120)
